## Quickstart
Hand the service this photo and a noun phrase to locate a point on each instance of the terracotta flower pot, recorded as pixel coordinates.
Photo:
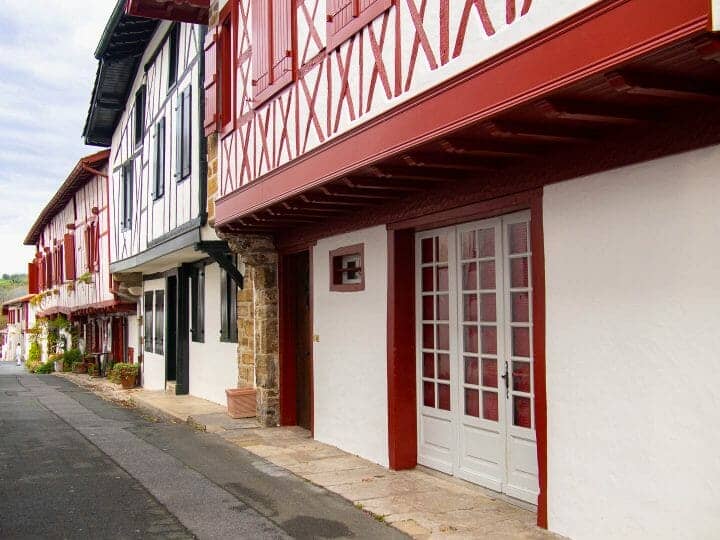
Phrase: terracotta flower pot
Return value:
(241, 402)
(128, 381)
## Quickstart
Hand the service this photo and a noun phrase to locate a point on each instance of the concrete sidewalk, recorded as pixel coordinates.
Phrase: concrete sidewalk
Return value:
(420, 502)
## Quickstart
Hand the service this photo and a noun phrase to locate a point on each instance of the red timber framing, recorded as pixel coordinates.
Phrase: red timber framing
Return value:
(597, 40)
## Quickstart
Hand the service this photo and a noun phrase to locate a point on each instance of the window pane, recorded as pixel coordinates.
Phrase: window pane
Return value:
(489, 372)
(521, 412)
(469, 276)
(490, 406)
(487, 275)
(428, 336)
(427, 279)
(521, 376)
(486, 241)
(470, 307)
(444, 397)
(520, 307)
(470, 339)
(429, 365)
(518, 237)
(469, 245)
(148, 321)
(442, 278)
(427, 250)
(441, 248)
(427, 308)
(443, 367)
(471, 370)
(487, 308)
(489, 340)
(472, 402)
(443, 307)
(519, 272)
(443, 337)
(429, 394)
(159, 322)
(521, 342)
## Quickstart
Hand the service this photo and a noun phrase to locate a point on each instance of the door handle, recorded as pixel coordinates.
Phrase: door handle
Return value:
(506, 378)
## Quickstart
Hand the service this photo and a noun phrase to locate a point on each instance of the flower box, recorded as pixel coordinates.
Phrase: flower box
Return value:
(241, 402)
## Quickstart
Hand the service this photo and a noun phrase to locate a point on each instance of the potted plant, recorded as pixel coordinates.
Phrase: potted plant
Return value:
(57, 360)
(79, 367)
(69, 358)
(127, 374)
(92, 370)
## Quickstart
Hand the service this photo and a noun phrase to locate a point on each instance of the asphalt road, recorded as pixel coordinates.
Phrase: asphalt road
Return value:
(75, 466)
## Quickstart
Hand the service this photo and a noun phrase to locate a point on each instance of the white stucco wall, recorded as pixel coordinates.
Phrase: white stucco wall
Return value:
(632, 351)
(153, 364)
(213, 364)
(350, 360)
(134, 336)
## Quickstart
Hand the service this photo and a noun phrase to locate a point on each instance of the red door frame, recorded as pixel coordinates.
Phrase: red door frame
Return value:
(288, 371)
(402, 402)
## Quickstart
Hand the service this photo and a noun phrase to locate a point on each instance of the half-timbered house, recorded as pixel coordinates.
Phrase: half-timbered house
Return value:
(146, 108)
(474, 237)
(19, 317)
(70, 274)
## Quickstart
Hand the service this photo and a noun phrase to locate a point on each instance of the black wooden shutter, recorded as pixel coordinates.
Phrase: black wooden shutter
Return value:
(160, 159)
(186, 132)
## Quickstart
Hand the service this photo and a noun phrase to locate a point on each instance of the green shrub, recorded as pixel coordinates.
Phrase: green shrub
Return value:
(47, 367)
(34, 357)
(70, 358)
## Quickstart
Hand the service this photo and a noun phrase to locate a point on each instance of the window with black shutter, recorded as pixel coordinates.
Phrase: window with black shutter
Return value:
(148, 321)
(159, 187)
(173, 55)
(139, 115)
(184, 138)
(127, 193)
(197, 321)
(228, 308)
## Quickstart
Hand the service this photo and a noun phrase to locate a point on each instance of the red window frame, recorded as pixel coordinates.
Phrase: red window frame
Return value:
(337, 270)
(345, 18)
(274, 30)
(92, 251)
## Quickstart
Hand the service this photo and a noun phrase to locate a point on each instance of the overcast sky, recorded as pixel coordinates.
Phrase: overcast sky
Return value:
(47, 70)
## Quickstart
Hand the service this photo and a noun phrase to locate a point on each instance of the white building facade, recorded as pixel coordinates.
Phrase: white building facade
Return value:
(146, 107)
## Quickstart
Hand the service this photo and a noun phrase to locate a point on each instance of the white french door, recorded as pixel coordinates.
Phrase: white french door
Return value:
(474, 343)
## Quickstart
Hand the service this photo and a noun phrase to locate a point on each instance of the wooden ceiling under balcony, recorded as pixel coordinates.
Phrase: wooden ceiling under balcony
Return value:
(635, 99)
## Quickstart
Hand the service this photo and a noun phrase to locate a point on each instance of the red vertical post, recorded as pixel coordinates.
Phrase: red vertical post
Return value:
(402, 402)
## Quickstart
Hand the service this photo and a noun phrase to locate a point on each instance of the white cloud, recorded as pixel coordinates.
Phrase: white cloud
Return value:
(47, 70)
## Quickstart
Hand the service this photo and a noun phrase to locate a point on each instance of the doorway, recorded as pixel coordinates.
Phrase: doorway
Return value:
(296, 341)
(475, 355)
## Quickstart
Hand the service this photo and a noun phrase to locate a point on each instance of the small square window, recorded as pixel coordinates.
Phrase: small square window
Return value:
(347, 271)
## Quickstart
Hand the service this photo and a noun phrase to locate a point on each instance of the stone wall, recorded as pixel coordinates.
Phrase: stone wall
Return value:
(258, 331)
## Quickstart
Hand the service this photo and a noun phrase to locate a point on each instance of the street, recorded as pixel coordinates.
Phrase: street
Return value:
(75, 466)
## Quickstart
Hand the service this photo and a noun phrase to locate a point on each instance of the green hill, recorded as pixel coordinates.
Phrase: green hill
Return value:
(12, 286)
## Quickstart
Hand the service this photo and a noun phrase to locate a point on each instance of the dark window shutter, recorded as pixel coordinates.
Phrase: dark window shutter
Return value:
(211, 82)
(260, 46)
(96, 246)
(49, 269)
(159, 159)
(69, 243)
(139, 115)
(86, 239)
(174, 54)
(148, 321)
(127, 195)
(198, 304)
(33, 285)
(186, 132)
(282, 46)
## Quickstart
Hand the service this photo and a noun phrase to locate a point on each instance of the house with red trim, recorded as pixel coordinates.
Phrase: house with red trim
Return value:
(70, 274)
(474, 237)
(163, 256)
(20, 316)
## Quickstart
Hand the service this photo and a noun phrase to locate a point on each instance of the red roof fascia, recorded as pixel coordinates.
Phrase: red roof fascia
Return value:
(83, 170)
(188, 11)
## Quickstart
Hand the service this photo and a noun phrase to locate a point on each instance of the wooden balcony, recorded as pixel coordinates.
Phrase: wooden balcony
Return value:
(187, 11)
